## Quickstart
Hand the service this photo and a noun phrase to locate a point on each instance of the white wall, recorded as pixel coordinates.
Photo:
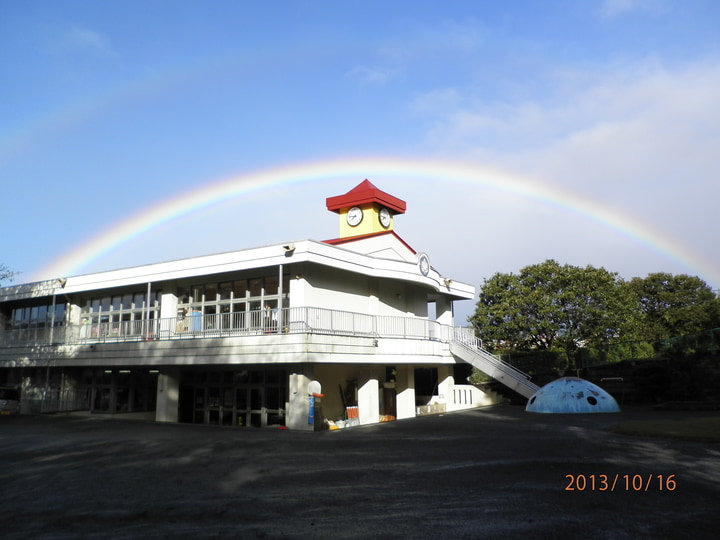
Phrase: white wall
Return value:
(168, 306)
(466, 396)
(348, 291)
(331, 289)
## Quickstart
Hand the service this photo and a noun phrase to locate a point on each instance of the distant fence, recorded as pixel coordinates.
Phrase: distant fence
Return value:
(38, 400)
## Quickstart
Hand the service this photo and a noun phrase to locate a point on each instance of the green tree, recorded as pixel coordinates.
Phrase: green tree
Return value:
(553, 307)
(675, 305)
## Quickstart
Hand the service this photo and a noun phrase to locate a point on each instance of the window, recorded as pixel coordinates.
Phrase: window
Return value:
(240, 289)
(211, 292)
(225, 290)
(183, 295)
(37, 316)
(116, 315)
(197, 294)
(226, 304)
(18, 315)
(59, 314)
(271, 285)
(256, 287)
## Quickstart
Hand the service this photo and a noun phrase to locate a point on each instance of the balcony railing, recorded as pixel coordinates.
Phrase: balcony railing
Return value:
(298, 320)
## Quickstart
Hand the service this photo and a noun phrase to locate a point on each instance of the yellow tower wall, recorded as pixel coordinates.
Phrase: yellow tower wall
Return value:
(370, 223)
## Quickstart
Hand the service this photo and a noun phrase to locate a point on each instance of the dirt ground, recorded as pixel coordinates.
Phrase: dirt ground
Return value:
(491, 473)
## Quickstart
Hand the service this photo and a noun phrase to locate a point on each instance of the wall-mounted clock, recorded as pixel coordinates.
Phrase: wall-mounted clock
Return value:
(384, 217)
(354, 216)
(424, 264)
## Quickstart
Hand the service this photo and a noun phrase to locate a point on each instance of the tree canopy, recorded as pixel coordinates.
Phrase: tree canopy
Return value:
(565, 308)
(549, 306)
(674, 306)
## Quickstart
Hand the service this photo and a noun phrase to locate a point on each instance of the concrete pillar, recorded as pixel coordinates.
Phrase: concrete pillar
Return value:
(298, 287)
(168, 395)
(369, 402)
(405, 391)
(74, 314)
(444, 311)
(298, 405)
(74, 322)
(445, 383)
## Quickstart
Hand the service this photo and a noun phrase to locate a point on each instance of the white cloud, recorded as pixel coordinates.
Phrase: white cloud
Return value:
(641, 140)
(647, 107)
(644, 132)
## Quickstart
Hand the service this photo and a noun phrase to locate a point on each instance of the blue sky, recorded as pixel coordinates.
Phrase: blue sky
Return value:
(110, 108)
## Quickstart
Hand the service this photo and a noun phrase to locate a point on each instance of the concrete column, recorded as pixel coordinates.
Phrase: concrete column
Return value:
(297, 287)
(298, 405)
(73, 320)
(168, 395)
(405, 391)
(445, 383)
(73, 315)
(369, 402)
(444, 311)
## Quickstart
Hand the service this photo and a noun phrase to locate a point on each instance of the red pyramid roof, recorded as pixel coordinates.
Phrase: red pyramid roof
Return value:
(365, 192)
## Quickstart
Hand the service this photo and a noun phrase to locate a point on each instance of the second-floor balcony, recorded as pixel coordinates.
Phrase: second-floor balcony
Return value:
(297, 320)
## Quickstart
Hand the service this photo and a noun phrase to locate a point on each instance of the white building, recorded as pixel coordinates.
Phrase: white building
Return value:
(237, 338)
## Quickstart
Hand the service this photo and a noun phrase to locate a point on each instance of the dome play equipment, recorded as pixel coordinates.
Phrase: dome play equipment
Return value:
(572, 395)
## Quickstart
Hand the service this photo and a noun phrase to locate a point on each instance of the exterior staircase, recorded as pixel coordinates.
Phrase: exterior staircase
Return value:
(467, 347)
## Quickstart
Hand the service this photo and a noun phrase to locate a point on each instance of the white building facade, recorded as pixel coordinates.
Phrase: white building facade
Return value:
(246, 338)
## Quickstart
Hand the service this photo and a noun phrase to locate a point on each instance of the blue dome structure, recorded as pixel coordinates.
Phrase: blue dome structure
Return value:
(572, 395)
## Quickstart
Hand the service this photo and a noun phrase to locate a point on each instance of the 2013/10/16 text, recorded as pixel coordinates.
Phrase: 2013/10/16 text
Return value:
(620, 482)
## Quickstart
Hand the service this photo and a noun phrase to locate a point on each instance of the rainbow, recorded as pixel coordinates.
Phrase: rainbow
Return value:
(357, 169)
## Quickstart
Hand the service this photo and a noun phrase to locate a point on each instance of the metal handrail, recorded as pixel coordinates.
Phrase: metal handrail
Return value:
(466, 338)
(293, 320)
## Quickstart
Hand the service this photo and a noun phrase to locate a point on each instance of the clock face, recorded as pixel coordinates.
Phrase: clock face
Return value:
(384, 217)
(354, 216)
(424, 264)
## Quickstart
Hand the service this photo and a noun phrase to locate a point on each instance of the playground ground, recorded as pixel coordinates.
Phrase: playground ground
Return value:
(497, 472)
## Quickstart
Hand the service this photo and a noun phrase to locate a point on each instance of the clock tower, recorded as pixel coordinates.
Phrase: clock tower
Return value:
(365, 210)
